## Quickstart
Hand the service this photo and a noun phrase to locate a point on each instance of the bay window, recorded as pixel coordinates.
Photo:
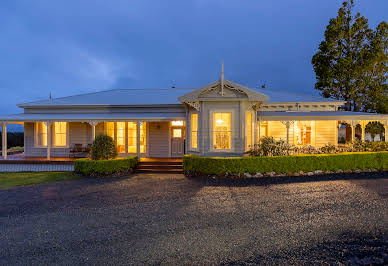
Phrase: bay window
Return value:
(222, 131)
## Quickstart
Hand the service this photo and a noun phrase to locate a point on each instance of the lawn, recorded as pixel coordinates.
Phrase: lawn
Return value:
(9, 180)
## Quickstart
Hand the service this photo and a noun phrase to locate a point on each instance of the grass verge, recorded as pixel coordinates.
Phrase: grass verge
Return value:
(10, 180)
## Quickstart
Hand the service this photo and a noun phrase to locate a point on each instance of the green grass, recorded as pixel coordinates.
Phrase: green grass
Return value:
(10, 180)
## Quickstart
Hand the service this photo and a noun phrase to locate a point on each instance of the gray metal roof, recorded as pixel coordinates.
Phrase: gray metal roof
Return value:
(292, 96)
(84, 117)
(118, 97)
(164, 96)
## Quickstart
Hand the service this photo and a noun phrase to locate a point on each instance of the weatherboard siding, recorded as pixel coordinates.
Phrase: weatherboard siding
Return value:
(159, 139)
(325, 132)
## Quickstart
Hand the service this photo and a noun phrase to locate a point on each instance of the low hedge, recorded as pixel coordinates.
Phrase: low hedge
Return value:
(196, 165)
(89, 167)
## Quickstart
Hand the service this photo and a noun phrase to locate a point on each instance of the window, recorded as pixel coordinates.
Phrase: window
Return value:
(177, 123)
(40, 134)
(109, 128)
(60, 134)
(303, 132)
(132, 131)
(143, 137)
(177, 133)
(194, 131)
(120, 137)
(262, 129)
(222, 134)
(248, 128)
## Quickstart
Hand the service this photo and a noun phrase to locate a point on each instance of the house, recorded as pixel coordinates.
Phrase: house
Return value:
(219, 119)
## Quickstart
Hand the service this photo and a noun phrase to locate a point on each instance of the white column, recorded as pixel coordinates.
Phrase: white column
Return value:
(138, 124)
(93, 124)
(386, 131)
(4, 141)
(48, 125)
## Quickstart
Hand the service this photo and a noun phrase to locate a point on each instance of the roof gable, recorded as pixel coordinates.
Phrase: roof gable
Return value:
(226, 91)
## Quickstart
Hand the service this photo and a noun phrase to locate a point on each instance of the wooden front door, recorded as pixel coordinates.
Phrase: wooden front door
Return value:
(177, 141)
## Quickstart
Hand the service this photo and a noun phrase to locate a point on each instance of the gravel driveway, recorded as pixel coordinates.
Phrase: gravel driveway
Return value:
(168, 219)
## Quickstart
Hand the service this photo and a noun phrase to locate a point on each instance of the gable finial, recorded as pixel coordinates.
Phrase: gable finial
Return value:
(50, 96)
(222, 79)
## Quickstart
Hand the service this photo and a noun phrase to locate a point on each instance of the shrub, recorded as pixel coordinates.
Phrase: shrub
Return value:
(195, 165)
(329, 148)
(103, 148)
(270, 147)
(89, 167)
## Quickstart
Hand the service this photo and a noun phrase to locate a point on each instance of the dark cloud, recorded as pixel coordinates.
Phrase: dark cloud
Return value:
(68, 47)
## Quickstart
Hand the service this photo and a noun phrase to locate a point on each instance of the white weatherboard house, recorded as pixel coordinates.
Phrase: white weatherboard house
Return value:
(219, 119)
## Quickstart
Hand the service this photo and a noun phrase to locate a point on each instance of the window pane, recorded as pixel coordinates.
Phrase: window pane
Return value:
(194, 122)
(194, 139)
(222, 131)
(249, 127)
(60, 134)
(177, 123)
(303, 132)
(194, 131)
(120, 137)
(110, 129)
(177, 133)
(143, 137)
(132, 137)
(41, 134)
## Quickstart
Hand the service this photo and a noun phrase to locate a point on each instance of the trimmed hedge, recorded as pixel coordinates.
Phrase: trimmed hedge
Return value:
(196, 165)
(89, 167)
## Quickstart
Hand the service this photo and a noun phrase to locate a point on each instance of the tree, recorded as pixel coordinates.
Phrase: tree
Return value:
(351, 63)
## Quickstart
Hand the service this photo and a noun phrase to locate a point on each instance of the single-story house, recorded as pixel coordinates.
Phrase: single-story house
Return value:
(219, 119)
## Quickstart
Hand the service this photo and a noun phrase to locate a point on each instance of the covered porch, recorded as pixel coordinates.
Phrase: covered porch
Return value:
(58, 136)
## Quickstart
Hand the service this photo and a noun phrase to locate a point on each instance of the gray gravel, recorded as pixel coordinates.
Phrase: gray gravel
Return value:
(169, 219)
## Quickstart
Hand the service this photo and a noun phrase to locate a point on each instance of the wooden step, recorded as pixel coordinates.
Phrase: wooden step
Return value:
(159, 171)
(161, 163)
(180, 167)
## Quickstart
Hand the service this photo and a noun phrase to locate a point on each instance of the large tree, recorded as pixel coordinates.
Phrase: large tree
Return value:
(351, 63)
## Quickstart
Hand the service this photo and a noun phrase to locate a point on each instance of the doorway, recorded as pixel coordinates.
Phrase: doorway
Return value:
(177, 141)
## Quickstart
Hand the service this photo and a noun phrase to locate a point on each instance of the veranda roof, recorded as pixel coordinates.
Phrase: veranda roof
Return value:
(320, 115)
(84, 117)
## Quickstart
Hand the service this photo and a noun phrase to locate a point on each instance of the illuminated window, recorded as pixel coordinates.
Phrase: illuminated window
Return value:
(132, 131)
(303, 132)
(109, 128)
(262, 129)
(177, 123)
(41, 134)
(194, 131)
(249, 127)
(60, 134)
(222, 134)
(120, 137)
(177, 133)
(143, 137)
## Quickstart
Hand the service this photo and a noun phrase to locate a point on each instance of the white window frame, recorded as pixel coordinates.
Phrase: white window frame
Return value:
(191, 127)
(232, 134)
(36, 133)
(54, 135)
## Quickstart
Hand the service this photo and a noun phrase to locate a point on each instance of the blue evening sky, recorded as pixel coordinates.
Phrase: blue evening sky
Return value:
(77, 46)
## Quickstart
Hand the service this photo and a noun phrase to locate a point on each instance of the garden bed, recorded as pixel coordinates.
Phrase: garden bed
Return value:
(113, 167)
(277, 166)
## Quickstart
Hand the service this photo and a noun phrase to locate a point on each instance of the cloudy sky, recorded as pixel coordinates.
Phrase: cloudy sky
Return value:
(76, 46)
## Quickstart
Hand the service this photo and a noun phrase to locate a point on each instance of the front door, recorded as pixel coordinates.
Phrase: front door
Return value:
(177, 141)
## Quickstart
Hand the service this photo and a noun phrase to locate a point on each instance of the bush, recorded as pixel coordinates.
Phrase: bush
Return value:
(195, 165)
(89, 167)
(270, 147)
(103, 148)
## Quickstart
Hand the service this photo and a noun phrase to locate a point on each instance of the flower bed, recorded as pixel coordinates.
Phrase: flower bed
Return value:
(117, 166)
(285, 165)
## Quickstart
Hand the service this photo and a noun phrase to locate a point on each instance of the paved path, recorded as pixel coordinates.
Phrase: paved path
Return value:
(168, 219)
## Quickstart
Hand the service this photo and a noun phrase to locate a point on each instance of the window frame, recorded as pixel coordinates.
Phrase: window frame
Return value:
(191, 131)
(53, 134)
(211, 130)
(36, 135)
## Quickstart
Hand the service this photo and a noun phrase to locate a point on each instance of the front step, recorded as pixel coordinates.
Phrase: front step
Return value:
(159, 167)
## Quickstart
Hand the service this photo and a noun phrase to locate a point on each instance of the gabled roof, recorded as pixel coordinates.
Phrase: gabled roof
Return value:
(250, 94)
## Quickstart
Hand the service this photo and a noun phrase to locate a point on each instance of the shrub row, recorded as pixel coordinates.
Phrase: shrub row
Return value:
(195, 165)
(89, 167)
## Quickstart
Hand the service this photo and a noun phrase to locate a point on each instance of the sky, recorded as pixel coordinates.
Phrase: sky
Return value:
(79, 46)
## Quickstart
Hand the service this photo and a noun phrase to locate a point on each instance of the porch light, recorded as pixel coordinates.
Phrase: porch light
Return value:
(177, 123)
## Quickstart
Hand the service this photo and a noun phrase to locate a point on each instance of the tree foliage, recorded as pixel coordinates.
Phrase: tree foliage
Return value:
(351, 62)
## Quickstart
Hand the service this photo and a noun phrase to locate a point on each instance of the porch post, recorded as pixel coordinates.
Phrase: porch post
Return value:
(48, 126)
(4, 141)
(353, 131)
(362, 131)
(93, 124)
(138, 124)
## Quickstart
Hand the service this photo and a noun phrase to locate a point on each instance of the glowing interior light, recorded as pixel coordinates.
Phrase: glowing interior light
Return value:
(220, 121)
(177, 123)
